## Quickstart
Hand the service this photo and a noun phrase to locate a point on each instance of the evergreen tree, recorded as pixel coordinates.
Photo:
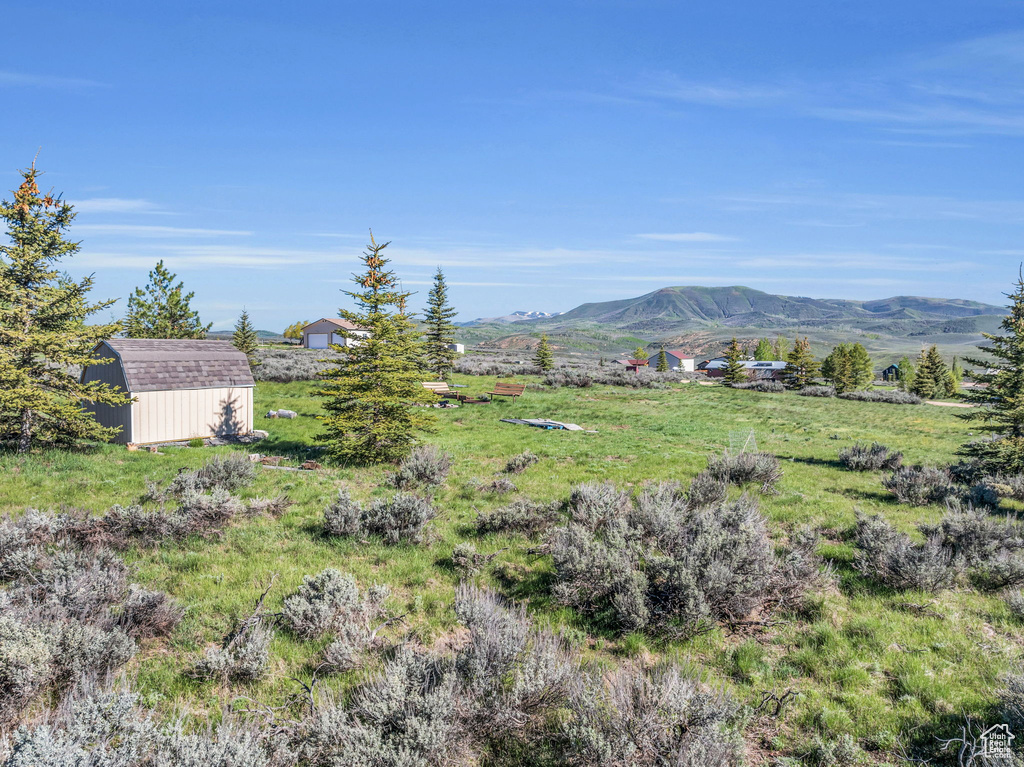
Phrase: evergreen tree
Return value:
(1000, 398)
(370, 396)
(907, 373)
(543, 357)
(932, 377)
(801, 367)
(956, 377)
(244, 338)
(735, 371)
(294, 332)
(43, 330)
(163, 309)
(640, 353)
(440, 329)
(848, 367)
(763, 352)
(779, 348)
(662, 361)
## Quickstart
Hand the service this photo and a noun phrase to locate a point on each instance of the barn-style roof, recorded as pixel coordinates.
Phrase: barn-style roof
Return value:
(157, 364)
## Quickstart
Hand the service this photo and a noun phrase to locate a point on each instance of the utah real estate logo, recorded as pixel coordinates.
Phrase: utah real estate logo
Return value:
(996, 742)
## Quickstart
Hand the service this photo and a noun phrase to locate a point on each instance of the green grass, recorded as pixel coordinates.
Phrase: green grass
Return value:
(862, 662)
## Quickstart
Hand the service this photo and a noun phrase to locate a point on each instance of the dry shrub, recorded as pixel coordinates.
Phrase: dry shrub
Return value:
(744, 468)
(402, 518)
(425, 466)
(872, 457)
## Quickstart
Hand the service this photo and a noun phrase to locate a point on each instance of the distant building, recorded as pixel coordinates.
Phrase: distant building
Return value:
(755, 368)
(677, 360)
(457, 348)
(891, 373)
(325, 331)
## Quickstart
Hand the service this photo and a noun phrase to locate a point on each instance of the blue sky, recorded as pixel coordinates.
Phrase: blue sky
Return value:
(545, 154)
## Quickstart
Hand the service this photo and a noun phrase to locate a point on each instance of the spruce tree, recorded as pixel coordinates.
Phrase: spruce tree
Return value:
(907, 373)
(779, 348)
(801, 367)
(735, 371)
(999, 399)
(163, 309)
(43, 330)
(848, 367)
(543, 357)
(932, 377)
(244, 338)
(763, 352)
(956, 377)
(440, 330)
(370, 397)
(662, 361)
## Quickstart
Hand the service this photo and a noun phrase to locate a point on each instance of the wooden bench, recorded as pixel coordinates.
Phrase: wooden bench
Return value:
(441, 389)
(506, 389)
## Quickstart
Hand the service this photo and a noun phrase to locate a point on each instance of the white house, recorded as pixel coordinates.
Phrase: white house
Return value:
(677, 360)
(181, 389)
(457, 348)
(755, 368)
(325, 331)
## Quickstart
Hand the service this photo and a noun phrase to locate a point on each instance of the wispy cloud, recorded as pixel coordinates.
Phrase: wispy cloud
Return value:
(28, 80)
(687, 237)
(141, 230)
(115, 205)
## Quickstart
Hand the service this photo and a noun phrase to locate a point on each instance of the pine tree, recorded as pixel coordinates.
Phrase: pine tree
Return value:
(640, 353)
(662, 361)
(735, 371)
(931, 380)
(543, 357)
(43, 330)
(763, 352)
(370, 396)
(440, 330)
(162, 309)
(956, 377)
(294, 331)
(244, 338)
(1000, 398)
(801, 367)
(848, 367)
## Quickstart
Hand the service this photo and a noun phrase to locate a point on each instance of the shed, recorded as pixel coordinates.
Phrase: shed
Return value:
(181, 389)
(677, 359)
(331, 330)
(891, 373)
(457, 348)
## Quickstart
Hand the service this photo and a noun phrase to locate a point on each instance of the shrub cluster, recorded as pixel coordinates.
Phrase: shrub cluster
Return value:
(894, 397)
(766, 385)
(241, 657)
(286, 365)
(522, 516)
(517, 464)
(425, 466)
(481, 365)
(402, 517)
(921, 485)
(745, 468)
(660, 563)
(966, 545)
(573, 379)
(817, 391)
(870, 457)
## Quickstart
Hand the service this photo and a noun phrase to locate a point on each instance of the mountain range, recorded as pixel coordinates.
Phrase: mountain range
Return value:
(702, 318)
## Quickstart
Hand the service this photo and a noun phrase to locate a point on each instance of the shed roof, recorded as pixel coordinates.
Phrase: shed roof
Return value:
(343, 324)
(159, 364)
(679, 354)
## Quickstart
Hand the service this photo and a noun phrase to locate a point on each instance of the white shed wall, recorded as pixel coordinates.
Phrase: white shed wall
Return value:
(168, 416)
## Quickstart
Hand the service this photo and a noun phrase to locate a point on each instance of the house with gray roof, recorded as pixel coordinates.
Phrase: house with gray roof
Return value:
(180, 389)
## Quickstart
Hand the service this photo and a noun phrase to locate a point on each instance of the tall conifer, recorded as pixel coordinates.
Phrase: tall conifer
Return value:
(370, 396)
(440, 329)
(543, 356)
(801, 367)
(662, 361)
(245, 338)
(163, 309)
(43, 330)
(735, 371)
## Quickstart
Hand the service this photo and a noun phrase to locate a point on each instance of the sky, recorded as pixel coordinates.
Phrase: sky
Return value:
(543, 154)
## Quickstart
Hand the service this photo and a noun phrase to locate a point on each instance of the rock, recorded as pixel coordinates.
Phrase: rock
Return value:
(258, 434)
(271, 414)
(132, 446)
(311, 466)
(254, 457)
(272, 460)
(287, 414)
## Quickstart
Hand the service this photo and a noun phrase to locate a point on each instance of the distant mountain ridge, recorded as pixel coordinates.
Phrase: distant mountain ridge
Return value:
(519, 316)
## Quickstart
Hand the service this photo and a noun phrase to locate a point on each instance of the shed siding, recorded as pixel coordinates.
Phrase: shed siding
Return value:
(110, 416)
(168, 416)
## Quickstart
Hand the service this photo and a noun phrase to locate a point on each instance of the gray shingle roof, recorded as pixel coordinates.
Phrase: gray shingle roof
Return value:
(154, 364)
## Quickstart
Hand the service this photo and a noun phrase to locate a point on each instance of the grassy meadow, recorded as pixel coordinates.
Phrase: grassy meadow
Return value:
(877, 664)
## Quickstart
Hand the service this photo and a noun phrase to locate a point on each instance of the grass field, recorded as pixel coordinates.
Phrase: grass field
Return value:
(864, 660)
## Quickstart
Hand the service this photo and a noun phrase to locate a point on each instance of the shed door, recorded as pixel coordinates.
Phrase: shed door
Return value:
(317, 340)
